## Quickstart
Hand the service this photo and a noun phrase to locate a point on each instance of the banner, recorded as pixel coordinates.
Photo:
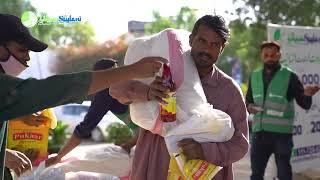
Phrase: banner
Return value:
(300, 50)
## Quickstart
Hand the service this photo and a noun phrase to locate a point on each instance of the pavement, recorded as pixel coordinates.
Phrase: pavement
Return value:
(242, 171)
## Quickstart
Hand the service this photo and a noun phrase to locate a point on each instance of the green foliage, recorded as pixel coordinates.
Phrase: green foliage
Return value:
(185, 19)
(247, 33)
(244, 88)
(118, 133)
(15, 7)
(76, 34)
(80, 33)
(61, 35)
(58, 136)
(71, 59)
(290, 12)
(244, 43)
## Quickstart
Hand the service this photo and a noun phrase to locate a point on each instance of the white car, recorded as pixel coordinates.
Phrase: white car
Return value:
(73, 114)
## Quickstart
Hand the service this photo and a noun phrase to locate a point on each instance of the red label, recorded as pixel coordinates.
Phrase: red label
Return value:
(203, 167)
(168, 82)
(27, 135)
(167, 77)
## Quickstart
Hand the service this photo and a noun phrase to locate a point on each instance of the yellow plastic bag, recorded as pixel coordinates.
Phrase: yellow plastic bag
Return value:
(192, 169)
(31, 140)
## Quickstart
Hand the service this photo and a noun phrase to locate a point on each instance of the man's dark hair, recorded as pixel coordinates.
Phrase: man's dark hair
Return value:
(104, 63)
(216, 23)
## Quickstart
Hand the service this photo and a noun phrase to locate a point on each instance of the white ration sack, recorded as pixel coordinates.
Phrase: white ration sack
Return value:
(110, 159)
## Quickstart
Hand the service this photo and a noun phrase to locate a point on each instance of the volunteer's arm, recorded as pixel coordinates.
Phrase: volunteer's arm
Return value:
(99, 107)
(135, 91)
(249, 97)
(21, 97)
(296, 91)
(72, 143)
(129, 91)
(251, 107)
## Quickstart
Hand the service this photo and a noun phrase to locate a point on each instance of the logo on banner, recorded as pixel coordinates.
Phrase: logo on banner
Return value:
(30, 19)
(294, 38)
(277, 35)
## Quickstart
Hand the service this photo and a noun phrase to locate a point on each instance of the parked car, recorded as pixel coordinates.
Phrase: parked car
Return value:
(73, 114)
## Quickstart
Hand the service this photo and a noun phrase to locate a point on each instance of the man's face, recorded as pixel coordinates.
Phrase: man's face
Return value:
(206, 47)
(19, 51)
(270, 56)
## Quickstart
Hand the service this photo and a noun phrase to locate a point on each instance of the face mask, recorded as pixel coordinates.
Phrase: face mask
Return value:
(12, 66)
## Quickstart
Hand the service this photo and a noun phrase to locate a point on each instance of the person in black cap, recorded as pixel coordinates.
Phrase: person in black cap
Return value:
(102, 103)
(207, 41)
(15, 45)
(21, 97)
(271, 91)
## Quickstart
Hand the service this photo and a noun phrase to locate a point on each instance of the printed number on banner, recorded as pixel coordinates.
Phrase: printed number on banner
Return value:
(315, 126)
(310, 79)
(297, 130)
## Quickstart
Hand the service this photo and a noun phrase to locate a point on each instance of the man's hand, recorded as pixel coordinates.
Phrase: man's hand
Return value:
(191, 149)
(34, 119)
(311, 90)
(254, 109)
(147, 67)
(52, 160)
(158, 90)
(17, 161)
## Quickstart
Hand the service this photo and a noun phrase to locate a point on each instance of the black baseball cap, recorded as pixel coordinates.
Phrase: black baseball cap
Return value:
(12, 29)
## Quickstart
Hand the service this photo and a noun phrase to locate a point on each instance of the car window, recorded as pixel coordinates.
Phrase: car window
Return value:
(74, 110)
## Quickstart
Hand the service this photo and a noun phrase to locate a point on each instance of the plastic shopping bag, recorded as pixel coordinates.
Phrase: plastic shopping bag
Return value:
(173, 45)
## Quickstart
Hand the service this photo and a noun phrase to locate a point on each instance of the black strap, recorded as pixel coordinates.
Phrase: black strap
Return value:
(2, 70)
(7, 174)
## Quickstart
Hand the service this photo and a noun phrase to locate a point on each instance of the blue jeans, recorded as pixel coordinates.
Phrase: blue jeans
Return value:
(263, 144)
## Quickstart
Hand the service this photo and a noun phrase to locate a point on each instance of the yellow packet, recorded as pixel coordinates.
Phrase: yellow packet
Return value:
(174, 172)
(192, 169)
(168, 112)
(31, 140)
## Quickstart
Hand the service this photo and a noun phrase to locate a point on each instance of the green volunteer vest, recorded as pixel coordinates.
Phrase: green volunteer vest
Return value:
(277, 115)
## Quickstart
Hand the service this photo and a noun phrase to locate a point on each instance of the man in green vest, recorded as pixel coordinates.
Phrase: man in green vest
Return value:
(270, 96)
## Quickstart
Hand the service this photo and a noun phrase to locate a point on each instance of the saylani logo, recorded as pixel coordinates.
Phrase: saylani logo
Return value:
(295, 38)
(30, 19)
